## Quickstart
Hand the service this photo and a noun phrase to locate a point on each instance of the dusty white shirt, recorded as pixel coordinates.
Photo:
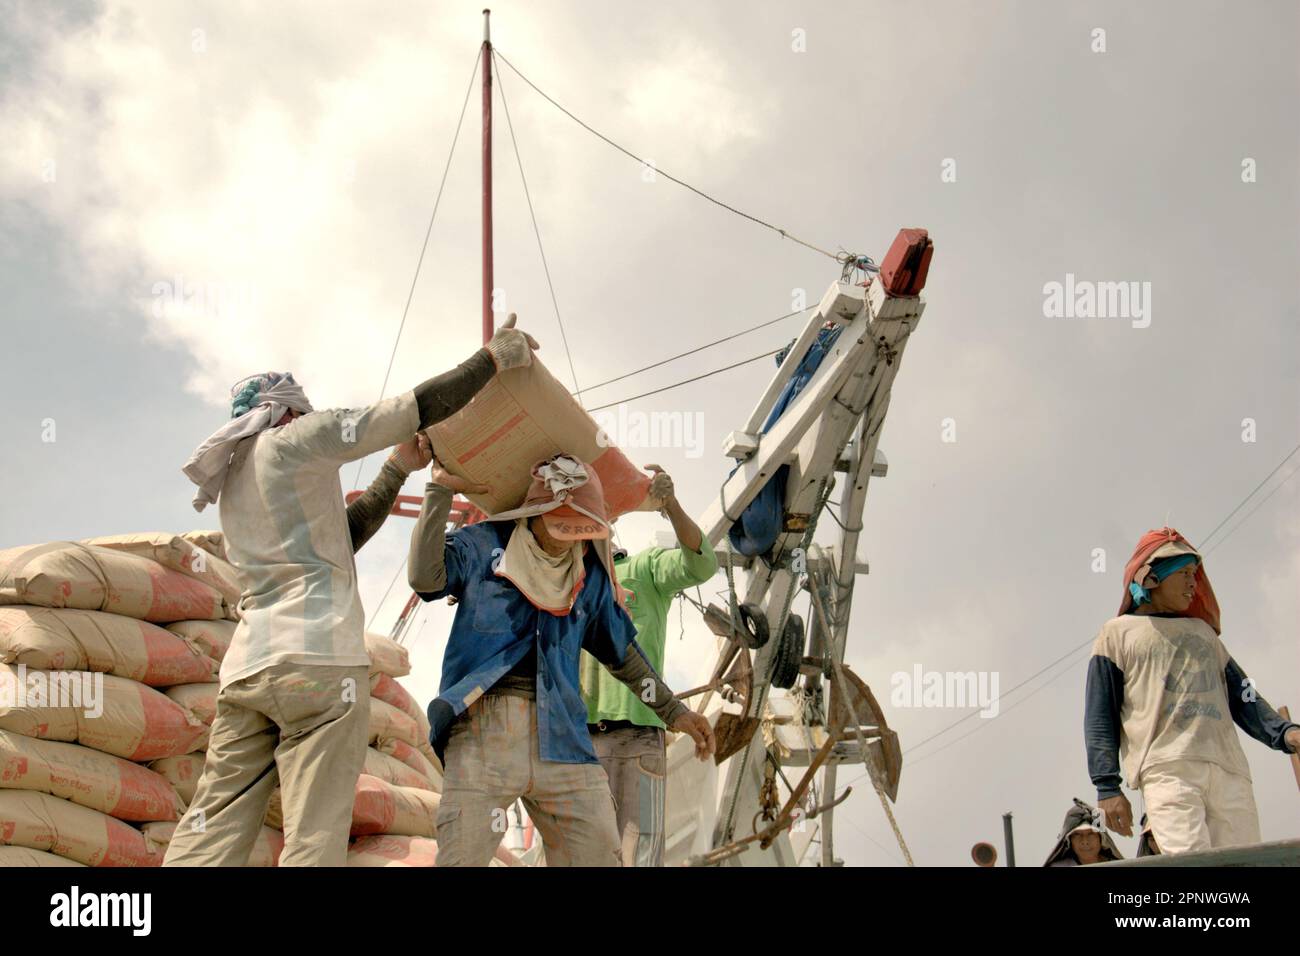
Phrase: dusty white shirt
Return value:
(286, 531)
(1175, 693)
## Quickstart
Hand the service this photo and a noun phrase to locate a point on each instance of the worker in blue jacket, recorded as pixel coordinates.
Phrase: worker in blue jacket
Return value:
(535, 588)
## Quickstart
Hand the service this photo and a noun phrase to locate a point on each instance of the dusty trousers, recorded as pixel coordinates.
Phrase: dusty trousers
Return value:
(303, 726)
(636, 763)
(1197, 805)
(492, 760)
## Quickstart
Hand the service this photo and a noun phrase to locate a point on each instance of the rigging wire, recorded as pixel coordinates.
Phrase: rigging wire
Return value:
(1253, 490)
(673, 358)
(537, 232)
(725, 368)
(380, 606)
(717, 202)
(424, 248)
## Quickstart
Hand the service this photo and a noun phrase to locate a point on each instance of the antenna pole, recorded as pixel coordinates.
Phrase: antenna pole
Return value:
(487, 177)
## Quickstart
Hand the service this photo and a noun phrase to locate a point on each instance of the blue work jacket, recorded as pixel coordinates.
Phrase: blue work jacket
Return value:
(496, 625)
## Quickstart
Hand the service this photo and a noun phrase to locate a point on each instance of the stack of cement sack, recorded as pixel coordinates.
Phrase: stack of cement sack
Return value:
(89, 685)
(143, 622)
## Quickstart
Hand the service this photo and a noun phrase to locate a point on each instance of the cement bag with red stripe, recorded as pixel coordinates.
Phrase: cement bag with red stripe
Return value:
(413, 758)
(391, 770)
(386, 721)
(67, 574)
(524, 416)
(199, 699)
(383, 808)
(387, 850)
(211, 637)
(387, 689)
(181, 772)
(13, 856)
(266, 848)
(87, 777)
(42, 822)
(118, 716)
(175, 552)
(387, 656)
(68, 639)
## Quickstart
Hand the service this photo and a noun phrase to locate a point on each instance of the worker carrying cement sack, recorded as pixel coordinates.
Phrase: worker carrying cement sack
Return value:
(1162, 696)
(627, 736)
(294, 683)
(535, 589)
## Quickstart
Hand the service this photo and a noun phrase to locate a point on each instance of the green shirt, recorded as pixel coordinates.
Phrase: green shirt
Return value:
(651, 579)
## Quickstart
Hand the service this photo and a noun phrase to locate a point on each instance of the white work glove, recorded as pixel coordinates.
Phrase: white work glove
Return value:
(511, 347)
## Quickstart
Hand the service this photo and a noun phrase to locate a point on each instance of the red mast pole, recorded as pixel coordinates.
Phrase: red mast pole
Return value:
(487, 177)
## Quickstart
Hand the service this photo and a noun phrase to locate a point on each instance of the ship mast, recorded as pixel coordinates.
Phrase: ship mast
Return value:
(487, 177)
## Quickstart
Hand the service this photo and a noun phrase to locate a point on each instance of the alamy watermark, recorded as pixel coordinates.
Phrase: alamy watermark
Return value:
(921, 688)
(78, 690)
(630, 429)
(1084, 299)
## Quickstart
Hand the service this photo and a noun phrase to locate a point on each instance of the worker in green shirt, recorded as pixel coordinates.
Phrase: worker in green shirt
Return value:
(626, 734)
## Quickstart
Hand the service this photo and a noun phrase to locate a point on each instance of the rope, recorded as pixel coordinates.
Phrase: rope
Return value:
(626, 152)
(427, 232)
(537, 232)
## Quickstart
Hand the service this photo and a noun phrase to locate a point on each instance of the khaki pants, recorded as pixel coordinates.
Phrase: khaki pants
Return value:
(302, 725)
(491, 761)
(636, 761)
(1197, 805)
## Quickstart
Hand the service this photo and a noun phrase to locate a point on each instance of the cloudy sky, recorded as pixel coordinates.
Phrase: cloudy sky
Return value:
(191, 192)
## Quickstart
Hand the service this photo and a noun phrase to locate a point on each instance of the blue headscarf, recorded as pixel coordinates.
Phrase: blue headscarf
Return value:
(1160, 570)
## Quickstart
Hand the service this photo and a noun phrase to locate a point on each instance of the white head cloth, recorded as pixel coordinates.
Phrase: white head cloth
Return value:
(259, 402)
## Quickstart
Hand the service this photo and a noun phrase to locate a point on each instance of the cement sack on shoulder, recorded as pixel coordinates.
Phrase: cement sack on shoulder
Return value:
(16, 856)
(524, 416)
(413, 758)
(387, 656)
(391, 770)
(266, 848)
(175, 552)
(387, 721)
(100, 781)
(199, 699)
(383, 808)
(68, 639)
(134, 721)
(67, 574)
(42, 822)
(181, 772)
(211, 637)
(387, 850)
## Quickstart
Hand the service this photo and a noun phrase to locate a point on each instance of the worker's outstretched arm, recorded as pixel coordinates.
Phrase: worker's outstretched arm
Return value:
(368, 511)
(690, 564)
(437, 565)
(443, 395)
(1252, 713)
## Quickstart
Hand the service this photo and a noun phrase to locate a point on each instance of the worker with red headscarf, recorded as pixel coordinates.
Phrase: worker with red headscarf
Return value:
(1162, 696)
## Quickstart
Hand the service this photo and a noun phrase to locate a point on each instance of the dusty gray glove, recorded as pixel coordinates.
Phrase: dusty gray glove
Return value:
(510, 347)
